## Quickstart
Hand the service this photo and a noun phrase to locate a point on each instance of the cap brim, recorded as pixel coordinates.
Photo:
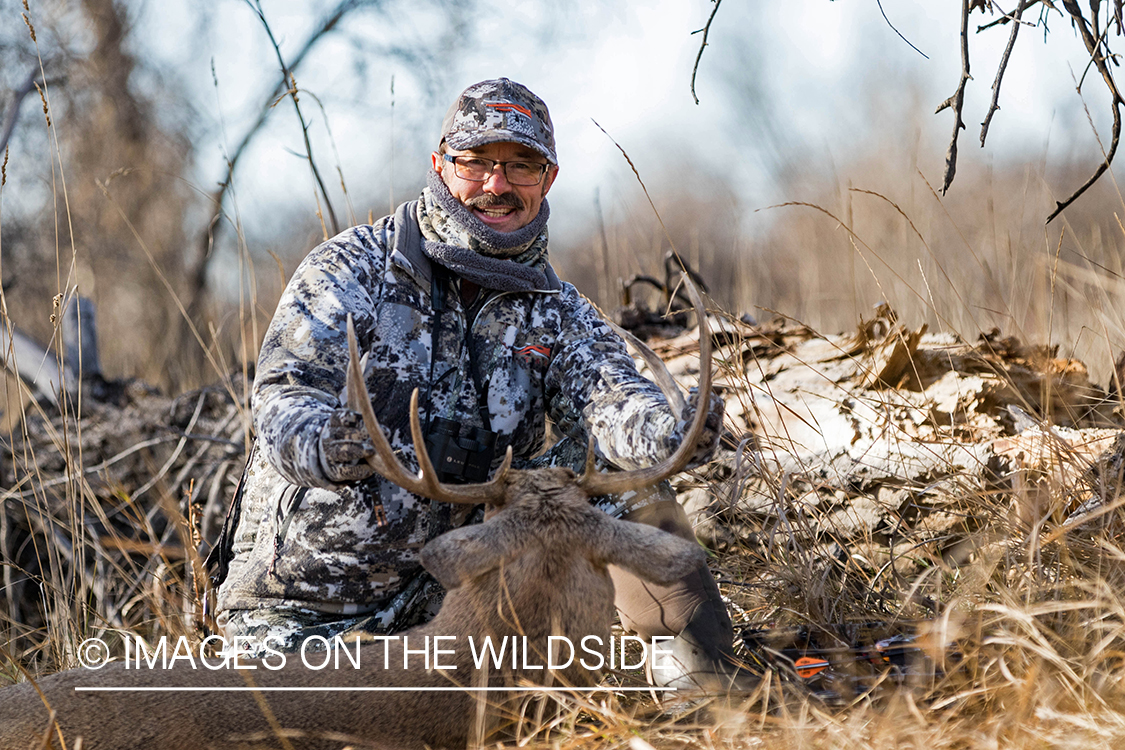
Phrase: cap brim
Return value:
(464, 141)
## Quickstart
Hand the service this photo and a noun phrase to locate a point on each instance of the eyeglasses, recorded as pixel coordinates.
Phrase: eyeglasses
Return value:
(476, 169)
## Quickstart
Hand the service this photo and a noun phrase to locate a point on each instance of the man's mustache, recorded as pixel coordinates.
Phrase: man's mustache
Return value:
(488, 200)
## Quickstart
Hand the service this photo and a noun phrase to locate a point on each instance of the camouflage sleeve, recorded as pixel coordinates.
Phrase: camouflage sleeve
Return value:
(594, 388)
(301, 366)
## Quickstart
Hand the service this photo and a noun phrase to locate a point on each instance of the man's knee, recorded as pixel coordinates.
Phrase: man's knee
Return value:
(649, 609)
(666, 515)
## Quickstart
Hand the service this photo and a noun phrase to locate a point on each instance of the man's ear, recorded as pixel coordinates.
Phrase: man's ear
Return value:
(437, 160)
(549, 178)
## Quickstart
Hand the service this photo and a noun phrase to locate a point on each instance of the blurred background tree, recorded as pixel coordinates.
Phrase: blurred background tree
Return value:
(102, 190)
(60, 227)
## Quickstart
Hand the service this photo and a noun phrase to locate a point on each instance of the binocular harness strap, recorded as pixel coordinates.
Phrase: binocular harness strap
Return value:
(440, 276)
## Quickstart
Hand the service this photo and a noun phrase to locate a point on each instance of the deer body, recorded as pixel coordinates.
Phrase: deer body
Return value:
(537, 568)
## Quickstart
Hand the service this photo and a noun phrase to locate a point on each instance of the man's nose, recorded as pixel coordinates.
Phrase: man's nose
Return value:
(497, 182)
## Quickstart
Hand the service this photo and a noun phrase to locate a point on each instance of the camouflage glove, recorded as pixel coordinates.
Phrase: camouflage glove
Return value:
(712, 430)
(344, 448)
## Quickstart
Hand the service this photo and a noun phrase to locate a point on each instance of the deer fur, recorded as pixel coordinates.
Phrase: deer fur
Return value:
(537, 568)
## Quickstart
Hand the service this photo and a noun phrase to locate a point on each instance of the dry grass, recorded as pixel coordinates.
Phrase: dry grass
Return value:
(837, 241)
(1026, 624)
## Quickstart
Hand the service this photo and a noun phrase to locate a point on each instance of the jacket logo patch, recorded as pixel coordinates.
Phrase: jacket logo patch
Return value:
(534, 356)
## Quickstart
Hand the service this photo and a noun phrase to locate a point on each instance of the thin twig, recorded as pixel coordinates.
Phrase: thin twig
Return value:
(995, 105)
(291, 92)
(1092, 43)
(14, 492)
(1008, 18)
(1061, 206)
(175, 453)
(1090, 64)
(214, 224)
(706, 30)
(957, 101)
(900, 36)
(336, 153)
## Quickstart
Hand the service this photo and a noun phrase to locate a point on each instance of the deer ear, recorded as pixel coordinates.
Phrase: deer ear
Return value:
(459, 556)
(651, 554)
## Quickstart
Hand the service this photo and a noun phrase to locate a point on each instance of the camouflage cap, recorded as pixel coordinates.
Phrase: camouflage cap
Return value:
(499, 111)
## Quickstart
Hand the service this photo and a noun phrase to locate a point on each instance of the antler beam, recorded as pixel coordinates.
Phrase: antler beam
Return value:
(386, 463)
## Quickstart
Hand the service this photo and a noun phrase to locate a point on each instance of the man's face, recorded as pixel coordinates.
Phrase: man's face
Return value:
(499, 204)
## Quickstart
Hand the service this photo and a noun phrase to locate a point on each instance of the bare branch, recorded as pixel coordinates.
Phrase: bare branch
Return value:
(900, 36)
(1093, 42)
(1090, 64)
(995, 105)
(1061, 206)
(291, 92)
(214, 224)
(1006, 18)
(13, 110)
(957, 101)
(706, 30)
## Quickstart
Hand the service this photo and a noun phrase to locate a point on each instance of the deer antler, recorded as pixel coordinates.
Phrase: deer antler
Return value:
(615, 483)
(656, 366)
(386, 463)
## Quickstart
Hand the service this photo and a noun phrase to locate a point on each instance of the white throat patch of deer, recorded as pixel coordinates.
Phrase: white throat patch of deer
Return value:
(535, 570)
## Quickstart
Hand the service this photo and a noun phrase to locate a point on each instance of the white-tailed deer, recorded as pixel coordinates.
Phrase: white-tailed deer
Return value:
(536, 569)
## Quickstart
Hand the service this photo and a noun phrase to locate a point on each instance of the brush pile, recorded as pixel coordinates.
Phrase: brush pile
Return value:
(102, 510)
(894, 436)
(896, 510)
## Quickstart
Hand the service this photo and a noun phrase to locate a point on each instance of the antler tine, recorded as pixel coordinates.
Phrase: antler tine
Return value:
(386, 463)
(660, 374)
(491, 492)
(615, 483)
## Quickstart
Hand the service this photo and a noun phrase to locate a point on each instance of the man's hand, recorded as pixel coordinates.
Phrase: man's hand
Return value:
(712, 430)
(344, 448)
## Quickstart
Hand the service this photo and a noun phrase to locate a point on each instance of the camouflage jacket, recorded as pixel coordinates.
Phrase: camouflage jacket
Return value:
(347, 549)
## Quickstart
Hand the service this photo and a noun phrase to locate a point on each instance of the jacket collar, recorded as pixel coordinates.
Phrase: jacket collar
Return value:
(407, 254)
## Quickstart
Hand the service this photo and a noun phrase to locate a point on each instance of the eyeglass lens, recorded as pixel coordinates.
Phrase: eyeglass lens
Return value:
(516, 172)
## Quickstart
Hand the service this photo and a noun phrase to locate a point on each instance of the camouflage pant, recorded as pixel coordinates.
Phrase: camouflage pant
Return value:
(289, 627)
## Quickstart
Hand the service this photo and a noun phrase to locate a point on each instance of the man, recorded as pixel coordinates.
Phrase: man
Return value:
(453, 295)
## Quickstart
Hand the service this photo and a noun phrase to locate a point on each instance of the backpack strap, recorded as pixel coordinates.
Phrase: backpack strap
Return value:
(406, 247)
(217, 563)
